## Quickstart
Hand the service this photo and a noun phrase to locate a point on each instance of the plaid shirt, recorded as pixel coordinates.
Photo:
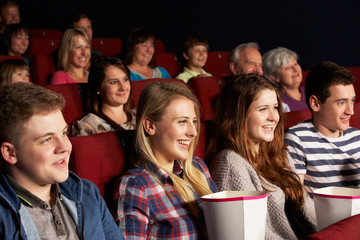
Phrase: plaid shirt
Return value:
(145, 211)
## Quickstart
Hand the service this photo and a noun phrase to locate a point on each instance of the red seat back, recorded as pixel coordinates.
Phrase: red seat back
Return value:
(138, 86)
(107, 46)
(45, 33)
(42, 66)
(73, 107)
(159, 46)
(43, 46)
(98, 158)
(206, 89)
(293, 118)
(168, 61)
(216, 63)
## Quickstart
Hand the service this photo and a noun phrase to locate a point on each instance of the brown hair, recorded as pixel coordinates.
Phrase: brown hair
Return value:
(19, 102)
(97, 75)
(270, 162)
(8, 67)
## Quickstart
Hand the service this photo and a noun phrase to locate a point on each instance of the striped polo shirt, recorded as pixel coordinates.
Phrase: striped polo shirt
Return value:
(324, 161)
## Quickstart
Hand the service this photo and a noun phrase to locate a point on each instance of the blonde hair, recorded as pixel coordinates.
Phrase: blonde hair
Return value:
(153, 101)
(66, 44)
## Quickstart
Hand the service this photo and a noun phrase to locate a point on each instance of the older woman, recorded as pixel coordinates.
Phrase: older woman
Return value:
(73, 57)
(108, 99)
(139, 56)
(280, 64)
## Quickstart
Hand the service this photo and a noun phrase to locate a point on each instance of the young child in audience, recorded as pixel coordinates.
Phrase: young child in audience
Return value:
(249, 153)
(40, 198)
(160, 198)
(195, 52)
(324, 149)
(108, 99)
(14, 70)
(139, 56)
(73, 58)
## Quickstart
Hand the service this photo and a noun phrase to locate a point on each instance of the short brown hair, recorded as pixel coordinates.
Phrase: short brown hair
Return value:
(193, 41)
(21, 101)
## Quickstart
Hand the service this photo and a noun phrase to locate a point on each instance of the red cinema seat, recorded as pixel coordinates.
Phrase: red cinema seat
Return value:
(216, 63)
(43, 46)
(356, 72)
(168, 61)
(138, 86)
(41, 67)
(11, 57)
(355, 119)
(159, 46)
(200, 147)
(206, 89)
(73, 106)
(45, 33)
(107, 46)
(304, 75)
(347, 229)
(293, 118)
(100, 159)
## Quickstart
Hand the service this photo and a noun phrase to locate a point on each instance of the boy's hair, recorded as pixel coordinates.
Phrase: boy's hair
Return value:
(21, 101)
(192, 41)
(322, 77)
(8, 67)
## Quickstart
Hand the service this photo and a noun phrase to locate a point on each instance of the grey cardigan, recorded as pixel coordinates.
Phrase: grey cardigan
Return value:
(232, 172)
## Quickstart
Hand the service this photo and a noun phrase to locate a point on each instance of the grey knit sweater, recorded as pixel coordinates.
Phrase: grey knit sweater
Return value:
(232, 172)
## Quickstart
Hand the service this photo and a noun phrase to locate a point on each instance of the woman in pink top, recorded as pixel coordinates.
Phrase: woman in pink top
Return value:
(73, 58)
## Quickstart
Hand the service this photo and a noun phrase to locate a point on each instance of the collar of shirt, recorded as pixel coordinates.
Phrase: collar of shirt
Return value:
(194, 74)
(27, 197)
(161, 174)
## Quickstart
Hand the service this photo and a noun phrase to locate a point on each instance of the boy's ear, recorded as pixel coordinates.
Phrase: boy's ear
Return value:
(8, 152)
(185, 56)
(314, 103)
(149, 126)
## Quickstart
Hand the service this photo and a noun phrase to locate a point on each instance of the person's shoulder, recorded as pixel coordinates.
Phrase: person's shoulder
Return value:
(228, 157)
(136, 176)
(61, 77)
(301, 126)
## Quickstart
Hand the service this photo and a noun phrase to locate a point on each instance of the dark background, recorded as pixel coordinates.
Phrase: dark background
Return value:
(316, 30)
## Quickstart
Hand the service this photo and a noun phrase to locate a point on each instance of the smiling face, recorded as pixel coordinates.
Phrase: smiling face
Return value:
(10, 14)
(42, 152)
(19, 44)
(115, 89)
(196, 57)
(250, 62)
(290, 75)
(333, 116)
(143, 52)
(172, 135)
(20, 75)
(79, 53)
(262, 118)
(85, 25)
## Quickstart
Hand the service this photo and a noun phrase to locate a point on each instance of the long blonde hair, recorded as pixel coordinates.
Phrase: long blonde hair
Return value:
(152, 103)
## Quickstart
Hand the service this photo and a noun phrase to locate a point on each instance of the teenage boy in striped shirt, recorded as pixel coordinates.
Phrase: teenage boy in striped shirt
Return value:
(325, 150)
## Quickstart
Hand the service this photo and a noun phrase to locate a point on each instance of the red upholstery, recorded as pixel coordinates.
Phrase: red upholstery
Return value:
(73, 107)
(2, 57)
(292, 118)
(168, 61)
(159, 46)
(98, 158)
(304, 75)
(138, 86)
(206, 89)
(216, 63)
(346, 229)
(42, 66)
(355, 119)
(107, 46)
(43, 46)
(45, 33)
(356, 72)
